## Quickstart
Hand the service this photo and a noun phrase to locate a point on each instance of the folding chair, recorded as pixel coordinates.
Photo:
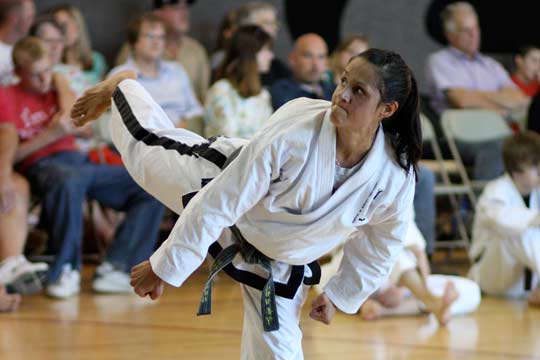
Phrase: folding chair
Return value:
(472, 126)
(454, 191)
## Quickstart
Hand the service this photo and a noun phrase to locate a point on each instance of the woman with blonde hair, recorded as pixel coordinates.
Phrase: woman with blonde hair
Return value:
(78, 50)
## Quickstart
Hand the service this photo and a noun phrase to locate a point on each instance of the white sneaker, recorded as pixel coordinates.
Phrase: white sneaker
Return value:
(67, 285)
(22, 276)
(110, 280)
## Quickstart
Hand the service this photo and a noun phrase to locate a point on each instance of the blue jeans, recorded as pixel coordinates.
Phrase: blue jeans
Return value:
(485, 158)
(64, 180)
(424, 206)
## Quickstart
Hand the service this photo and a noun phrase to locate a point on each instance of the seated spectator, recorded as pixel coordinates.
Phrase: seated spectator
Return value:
(264, 15)
(51, 34)
(63, 178)
(348, 47)
(459, 76)
(505, 248)
(16, 17)
(166, 81)
(225, 32)
(412, 289)
(16, 272)
(308, 61)
(527, 75)
(237, 105)
(180, 47)
(78, 48)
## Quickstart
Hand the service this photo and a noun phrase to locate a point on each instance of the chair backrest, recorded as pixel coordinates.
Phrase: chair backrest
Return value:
(428, 133)
(474, 125)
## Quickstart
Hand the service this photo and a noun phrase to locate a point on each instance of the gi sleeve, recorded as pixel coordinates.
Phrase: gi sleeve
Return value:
(217, 206)
(508, 219)
(370, 254)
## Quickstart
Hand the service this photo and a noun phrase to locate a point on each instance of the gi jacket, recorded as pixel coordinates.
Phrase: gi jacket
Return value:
(278, 191)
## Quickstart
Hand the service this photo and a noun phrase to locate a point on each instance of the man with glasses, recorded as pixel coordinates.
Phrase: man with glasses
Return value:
(461, 77)
(180, 47)
(166, 81)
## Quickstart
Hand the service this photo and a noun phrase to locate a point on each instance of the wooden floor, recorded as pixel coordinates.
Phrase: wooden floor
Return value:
(126, 327)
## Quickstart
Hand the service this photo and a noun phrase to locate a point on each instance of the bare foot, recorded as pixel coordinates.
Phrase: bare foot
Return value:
(390, 297)
(8, 302)
(441, 307)
(96, 100)
(534, 298)
(370, 310)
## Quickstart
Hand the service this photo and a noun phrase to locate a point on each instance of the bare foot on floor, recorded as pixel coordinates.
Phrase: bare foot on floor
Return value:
(391, 297)
(442, 309)
(534, 298)
(370, 310)
(96, 100)
(8, 302)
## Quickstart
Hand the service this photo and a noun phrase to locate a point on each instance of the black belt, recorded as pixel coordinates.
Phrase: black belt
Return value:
(252, 256)
(223, 261)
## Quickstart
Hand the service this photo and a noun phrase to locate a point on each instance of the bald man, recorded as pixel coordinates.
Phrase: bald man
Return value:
(308, 62)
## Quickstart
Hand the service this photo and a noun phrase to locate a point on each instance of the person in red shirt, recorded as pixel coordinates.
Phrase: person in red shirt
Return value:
(63, 177)
(527, 75)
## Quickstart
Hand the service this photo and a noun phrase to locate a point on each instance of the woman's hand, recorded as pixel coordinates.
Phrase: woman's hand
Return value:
(145, 281)
(322, 309)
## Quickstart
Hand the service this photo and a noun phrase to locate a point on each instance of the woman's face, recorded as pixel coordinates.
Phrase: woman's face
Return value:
(71, 29)
(356, 100)
(356, 47)
(264, 59)
(54, 42)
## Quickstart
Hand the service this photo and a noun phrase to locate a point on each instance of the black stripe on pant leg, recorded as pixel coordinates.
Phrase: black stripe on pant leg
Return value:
(141, 134)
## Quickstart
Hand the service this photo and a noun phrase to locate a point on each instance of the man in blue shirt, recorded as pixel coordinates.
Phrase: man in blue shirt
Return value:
(308, 62)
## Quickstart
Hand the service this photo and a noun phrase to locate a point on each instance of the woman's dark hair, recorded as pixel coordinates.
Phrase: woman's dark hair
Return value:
(240, 63)
(42, 20)
(396, 82)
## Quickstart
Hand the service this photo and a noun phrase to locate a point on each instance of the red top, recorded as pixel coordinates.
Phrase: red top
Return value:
(31, 113)
(528, 89)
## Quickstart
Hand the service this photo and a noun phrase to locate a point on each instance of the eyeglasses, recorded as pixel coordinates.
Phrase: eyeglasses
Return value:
(53, 41)
(150, 36)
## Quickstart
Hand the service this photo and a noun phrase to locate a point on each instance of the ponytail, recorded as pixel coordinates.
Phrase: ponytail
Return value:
(397, 83)
(404, 130)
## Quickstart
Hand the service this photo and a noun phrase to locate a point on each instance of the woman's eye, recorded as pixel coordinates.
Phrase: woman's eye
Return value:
(344, 80)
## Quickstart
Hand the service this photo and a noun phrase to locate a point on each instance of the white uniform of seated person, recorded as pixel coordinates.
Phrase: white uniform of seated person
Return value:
(395, 298)
(280, 192)
(505, 251)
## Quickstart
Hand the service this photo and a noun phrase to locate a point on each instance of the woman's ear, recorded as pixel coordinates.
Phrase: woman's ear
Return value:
(388, 109)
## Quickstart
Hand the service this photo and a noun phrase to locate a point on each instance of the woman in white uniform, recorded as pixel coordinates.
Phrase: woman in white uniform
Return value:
(318, 172)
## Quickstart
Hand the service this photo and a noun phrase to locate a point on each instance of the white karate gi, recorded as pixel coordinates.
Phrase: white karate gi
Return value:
(278, 191)
(504, 242)
(469, 291)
